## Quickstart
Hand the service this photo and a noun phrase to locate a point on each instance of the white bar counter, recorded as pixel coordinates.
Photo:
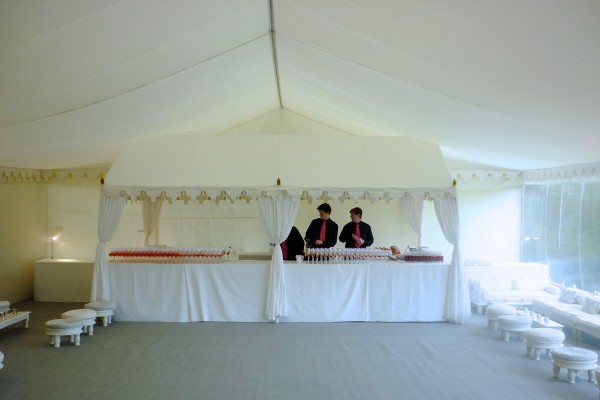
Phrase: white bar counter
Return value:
(236, 291)
(62, 280)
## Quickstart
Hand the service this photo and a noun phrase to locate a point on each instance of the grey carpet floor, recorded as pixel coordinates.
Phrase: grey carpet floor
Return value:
(277, 361)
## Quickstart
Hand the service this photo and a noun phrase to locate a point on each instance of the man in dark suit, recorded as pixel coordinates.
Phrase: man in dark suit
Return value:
(293, 246)
(356, 234)
(322, 231)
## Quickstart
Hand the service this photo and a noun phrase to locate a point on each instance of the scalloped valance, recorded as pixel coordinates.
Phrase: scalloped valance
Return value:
(247, 194)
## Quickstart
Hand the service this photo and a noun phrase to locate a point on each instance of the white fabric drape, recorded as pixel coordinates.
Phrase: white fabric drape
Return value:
(413, 208)
(150, 213)
(277, 215)
(457, 301)
(109, 214)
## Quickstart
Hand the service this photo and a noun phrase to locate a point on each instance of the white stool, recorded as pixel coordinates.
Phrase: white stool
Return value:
(574, 359)
(4, 306)
(55, 328)
(83, 315)
(495, 310)
(104, 309)
(513, 323)
(539, 339)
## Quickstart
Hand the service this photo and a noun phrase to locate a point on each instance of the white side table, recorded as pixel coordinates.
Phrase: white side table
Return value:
(12, 319)
(539, 323)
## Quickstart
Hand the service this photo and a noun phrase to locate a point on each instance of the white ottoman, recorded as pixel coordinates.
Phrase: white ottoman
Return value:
(539, 339)
(104, 309)
(513, 323)
(574, 359)
(55, 328)
(85, 316)
(495, 310)
(4, 306)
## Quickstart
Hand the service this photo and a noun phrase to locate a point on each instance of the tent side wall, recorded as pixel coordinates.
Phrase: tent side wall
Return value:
(22, 237)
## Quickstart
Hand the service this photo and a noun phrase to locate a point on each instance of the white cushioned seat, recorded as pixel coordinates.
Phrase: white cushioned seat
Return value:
(4, 306)
(574, 359)
(104, 309)
(55, 328)
(495, 310)
(539, 339)
(86, 316)
(513, 323)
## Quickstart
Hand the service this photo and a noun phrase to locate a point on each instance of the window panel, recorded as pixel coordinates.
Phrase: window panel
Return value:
(561, 227)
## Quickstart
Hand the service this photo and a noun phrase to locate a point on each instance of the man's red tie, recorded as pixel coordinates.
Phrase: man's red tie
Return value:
(357, 233)
(284, 250)
(322, 233)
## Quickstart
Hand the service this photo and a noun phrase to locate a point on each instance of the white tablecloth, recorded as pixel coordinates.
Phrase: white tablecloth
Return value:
(62, 280)
(236, 291)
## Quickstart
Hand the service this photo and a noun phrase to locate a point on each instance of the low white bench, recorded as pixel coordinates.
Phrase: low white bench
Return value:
(15, 318)
(515, 284)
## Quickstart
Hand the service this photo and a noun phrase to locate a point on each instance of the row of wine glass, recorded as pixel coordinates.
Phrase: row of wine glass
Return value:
(332, 255)
(170, 255)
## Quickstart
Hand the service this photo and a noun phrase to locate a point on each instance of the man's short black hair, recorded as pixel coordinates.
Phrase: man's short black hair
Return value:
(325, 207)
(356, 211)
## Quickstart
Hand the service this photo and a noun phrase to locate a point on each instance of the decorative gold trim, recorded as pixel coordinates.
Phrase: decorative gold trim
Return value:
(82, 175)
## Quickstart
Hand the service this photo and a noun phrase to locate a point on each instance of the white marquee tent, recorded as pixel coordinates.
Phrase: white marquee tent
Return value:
(508, 85)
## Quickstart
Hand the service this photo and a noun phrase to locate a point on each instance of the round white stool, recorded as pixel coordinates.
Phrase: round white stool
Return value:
(513, 323)
(539, 339)
(4, 306)
(83, 315)
(104, 309)
(55, 328)
(495, 310)
(574, 359)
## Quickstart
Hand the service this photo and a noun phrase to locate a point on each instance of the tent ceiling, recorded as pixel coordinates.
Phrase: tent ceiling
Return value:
(508, 84)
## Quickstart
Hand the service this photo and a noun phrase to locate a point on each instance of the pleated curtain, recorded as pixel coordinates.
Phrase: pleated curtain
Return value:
(150, 213)
(109, 214)
(277, 215)
(457, 301)
(413, 208)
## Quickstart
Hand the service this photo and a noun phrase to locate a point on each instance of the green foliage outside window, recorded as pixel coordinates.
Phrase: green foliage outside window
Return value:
(561, 227)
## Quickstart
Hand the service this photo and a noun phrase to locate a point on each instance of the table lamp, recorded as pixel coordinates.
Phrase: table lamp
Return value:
(52, 241)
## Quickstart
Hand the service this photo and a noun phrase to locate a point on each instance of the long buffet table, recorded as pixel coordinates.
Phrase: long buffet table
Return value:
(236, 291)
